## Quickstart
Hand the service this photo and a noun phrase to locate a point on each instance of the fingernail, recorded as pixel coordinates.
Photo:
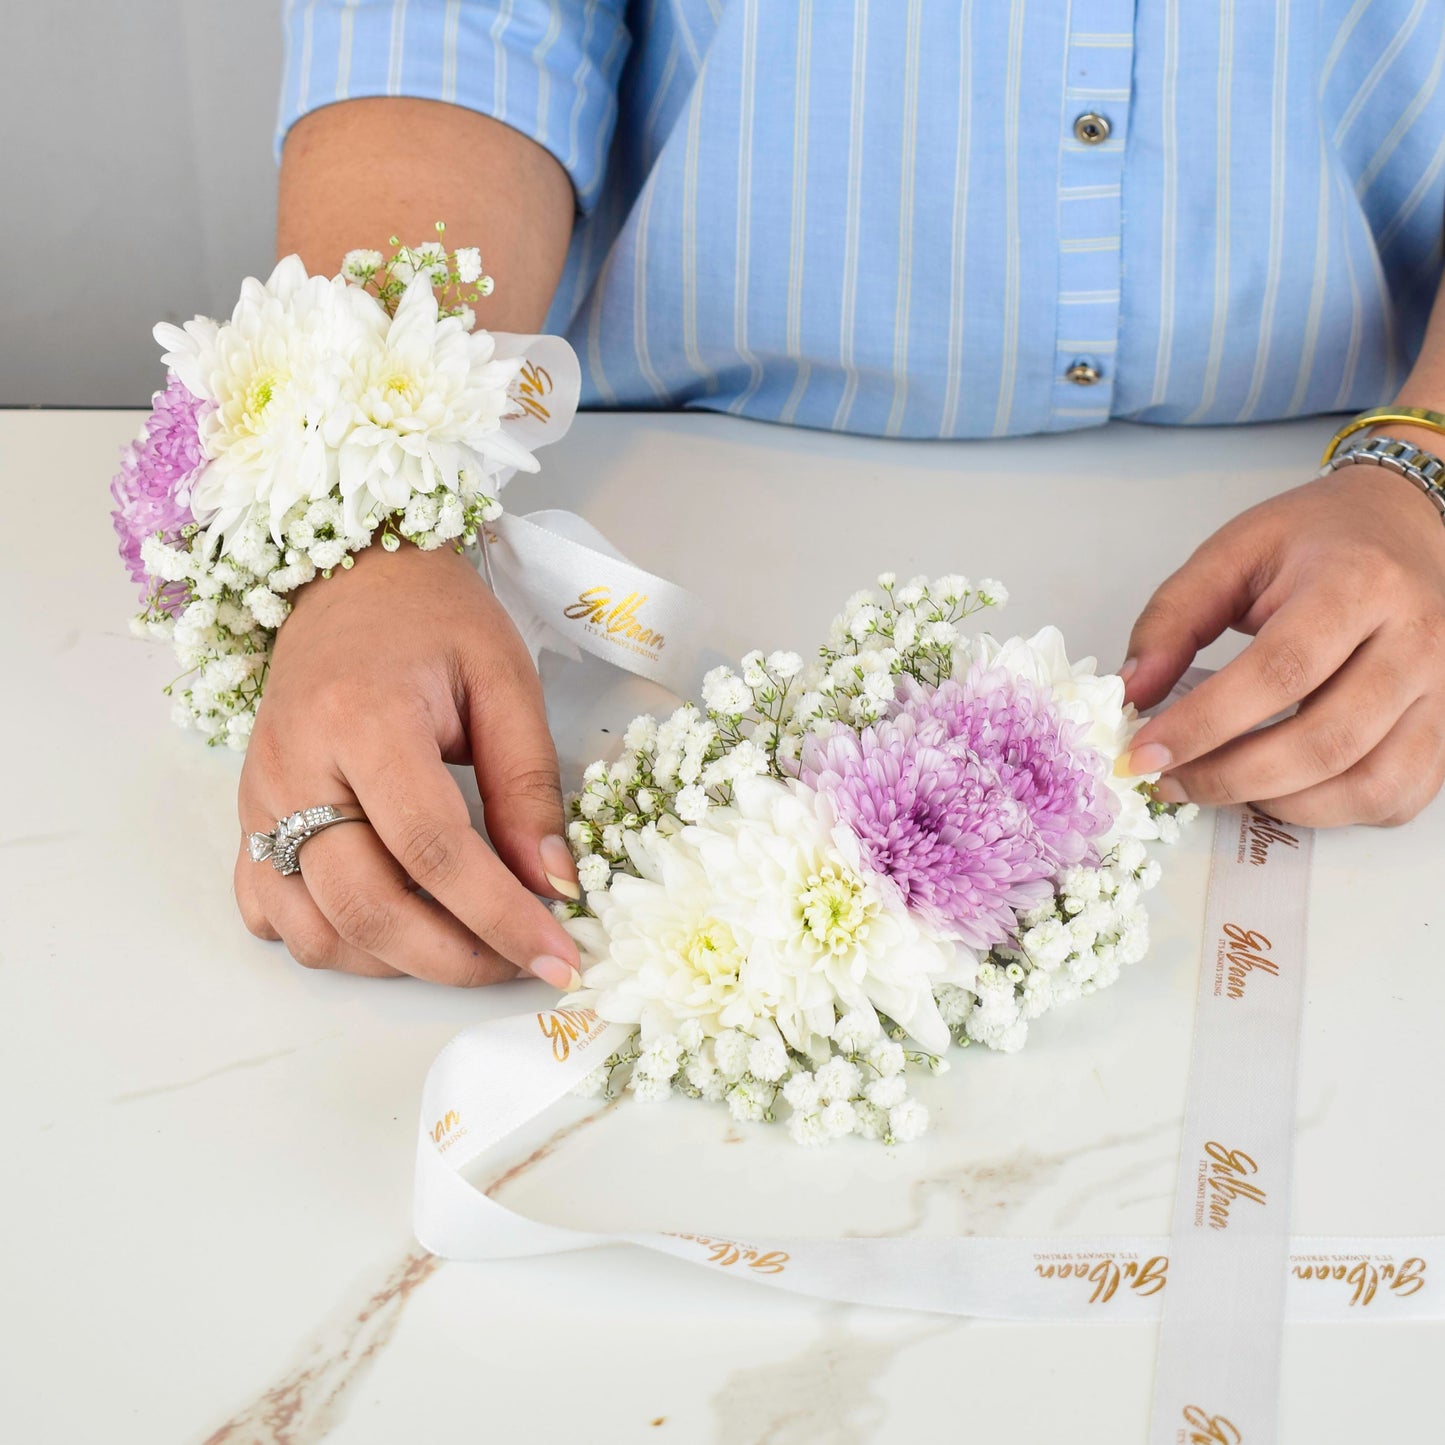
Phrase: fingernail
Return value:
(557, 972)
(1148, 758)
(1169, 790)
(557, 864)
(1130, 667)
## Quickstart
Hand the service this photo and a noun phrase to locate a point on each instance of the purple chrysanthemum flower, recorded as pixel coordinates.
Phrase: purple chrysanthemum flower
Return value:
(152, 490)
(968, 800)
(1038, 755)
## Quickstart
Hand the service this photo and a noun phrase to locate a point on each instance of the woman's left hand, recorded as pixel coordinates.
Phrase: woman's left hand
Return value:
(1342, 584)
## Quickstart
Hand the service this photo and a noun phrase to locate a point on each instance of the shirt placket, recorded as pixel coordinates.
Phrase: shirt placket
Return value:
(1095, 121)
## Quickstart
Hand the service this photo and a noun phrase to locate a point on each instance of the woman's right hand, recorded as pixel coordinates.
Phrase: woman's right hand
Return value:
(380, 676)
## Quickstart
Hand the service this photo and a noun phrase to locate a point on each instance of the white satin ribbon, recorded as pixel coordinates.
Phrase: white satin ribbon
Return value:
(494, 1077)
(568, 589)
(1219, 1344)
(565, 586)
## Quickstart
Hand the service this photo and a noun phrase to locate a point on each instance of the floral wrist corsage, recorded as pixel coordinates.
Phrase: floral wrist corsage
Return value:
(326, 414)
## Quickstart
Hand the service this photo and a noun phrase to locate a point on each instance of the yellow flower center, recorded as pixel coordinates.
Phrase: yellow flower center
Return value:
(712, 954)
(836, 918)
(400, 386)
(264, 386)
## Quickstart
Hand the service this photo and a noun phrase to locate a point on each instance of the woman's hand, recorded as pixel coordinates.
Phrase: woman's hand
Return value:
(1342, 584)
(380, 676)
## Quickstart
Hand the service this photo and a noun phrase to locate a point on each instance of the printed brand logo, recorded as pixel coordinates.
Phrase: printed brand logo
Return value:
(617, 622)
(1202, 1429)
(1241, 951)
(533, 384)
(568, 1026)
(1363, 1274)
(1224, 1176)
(1106, 1272)
(447, 1130)
(1258, 834)
(727, 1252)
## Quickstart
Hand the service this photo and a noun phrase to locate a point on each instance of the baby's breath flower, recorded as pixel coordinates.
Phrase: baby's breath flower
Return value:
(907, 1121)
(885, 1093)
(469, 265)
(361, 265)
(593, 872)
(767, 1059)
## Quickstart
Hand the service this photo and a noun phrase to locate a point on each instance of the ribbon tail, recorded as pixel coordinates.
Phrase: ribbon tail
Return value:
(569, 590)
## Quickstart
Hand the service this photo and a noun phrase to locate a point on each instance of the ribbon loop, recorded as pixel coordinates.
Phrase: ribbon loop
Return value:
(494, 1077)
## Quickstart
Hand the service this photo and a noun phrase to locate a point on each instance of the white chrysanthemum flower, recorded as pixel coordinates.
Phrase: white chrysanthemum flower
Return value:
(429, 407)
(281, 374)
(665, 952)
(824, 936)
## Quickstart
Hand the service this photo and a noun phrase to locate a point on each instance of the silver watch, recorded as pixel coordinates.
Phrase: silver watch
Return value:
(1415, 464)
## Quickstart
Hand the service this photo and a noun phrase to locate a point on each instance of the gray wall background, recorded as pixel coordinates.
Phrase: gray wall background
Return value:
(136, 183)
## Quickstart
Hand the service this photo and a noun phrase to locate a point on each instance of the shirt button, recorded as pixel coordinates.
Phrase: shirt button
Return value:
(1092, 129)
(1082, 373)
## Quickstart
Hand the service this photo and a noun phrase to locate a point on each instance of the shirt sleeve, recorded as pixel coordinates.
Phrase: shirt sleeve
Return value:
(547, 68)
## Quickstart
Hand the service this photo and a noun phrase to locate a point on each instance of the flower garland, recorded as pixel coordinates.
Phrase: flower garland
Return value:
(326, 413)
(833, 871)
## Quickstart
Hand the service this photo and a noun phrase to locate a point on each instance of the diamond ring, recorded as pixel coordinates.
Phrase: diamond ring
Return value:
(283, 844)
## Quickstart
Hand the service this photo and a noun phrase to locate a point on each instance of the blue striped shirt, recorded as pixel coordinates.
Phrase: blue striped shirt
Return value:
(881, 217)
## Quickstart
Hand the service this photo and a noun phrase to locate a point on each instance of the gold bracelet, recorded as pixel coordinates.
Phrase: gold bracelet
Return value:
(1384, 416)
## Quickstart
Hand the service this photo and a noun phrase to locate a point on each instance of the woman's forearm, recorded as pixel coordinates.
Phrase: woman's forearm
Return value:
(358, 172)
(1425, 385)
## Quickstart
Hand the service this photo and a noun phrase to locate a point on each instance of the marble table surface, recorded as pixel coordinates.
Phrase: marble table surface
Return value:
(208, 1150)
